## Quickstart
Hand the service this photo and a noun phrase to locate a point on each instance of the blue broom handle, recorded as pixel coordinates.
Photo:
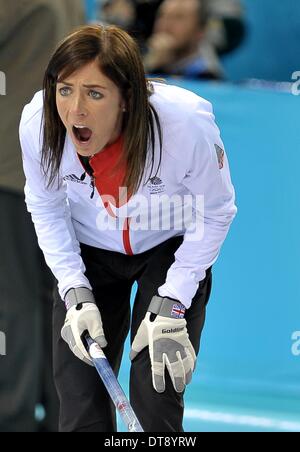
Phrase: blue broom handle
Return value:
(113, 387)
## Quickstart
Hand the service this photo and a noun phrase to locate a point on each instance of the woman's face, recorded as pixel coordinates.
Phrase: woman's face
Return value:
(91, 108)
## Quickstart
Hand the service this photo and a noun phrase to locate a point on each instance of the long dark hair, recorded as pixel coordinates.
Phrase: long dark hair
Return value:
(119, 59)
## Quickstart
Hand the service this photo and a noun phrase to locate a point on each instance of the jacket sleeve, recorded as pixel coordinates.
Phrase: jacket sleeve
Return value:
(51, 216)
(207, 177)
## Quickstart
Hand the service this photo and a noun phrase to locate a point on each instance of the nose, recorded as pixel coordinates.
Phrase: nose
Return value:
(77, 107)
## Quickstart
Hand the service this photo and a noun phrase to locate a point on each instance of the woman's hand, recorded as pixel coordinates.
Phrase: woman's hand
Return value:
(161, 51)
(82, 315)
(169, 344)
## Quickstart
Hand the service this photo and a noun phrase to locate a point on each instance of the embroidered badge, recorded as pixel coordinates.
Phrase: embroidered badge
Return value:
(220, 155)
(156, 186)
(178, 311)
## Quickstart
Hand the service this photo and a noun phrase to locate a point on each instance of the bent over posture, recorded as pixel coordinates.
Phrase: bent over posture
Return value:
(128, 181)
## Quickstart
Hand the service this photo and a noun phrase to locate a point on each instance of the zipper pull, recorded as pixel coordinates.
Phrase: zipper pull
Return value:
(93, 187)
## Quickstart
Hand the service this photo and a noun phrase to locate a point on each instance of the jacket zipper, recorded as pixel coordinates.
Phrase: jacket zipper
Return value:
(126, 231)
(126, 237)
(88, 170)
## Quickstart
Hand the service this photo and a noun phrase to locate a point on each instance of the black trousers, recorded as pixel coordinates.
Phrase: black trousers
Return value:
(85, 405)
(26, 287)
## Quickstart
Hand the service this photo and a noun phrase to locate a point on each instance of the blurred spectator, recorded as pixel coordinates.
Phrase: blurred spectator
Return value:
(224, 30)
(29, 31)
(225, 27)
(178, 45)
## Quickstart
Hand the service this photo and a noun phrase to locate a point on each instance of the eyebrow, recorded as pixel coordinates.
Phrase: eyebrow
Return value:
(85, 86)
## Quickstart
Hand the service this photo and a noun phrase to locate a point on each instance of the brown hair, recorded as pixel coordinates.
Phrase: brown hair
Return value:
(120, 60)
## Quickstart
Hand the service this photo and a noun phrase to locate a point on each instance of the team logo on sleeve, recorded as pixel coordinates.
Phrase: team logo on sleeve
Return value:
(220, 154)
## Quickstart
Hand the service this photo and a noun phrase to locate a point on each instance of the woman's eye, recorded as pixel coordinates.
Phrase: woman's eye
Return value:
(64, 91)
(95, 95)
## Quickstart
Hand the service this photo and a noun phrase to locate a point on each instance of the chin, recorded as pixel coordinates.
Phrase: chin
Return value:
(85, 152)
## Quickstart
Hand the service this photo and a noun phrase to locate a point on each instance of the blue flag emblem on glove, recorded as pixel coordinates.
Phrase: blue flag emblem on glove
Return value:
(177, 311)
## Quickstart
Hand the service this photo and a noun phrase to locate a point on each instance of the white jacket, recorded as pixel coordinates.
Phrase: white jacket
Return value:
(194, 168)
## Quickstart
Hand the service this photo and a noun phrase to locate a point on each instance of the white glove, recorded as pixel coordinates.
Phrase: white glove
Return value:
(169, 344)
(82, 315)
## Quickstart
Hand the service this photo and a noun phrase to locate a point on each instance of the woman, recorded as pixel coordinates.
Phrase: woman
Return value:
(104, 128)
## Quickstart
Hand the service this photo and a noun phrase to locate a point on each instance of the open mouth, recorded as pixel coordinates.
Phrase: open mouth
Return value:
(82, 134)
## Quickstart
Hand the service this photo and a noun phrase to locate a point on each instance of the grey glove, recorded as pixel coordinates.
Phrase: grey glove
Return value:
(168, 341)
(82, 315)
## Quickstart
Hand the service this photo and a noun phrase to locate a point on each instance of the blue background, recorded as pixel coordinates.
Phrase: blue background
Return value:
(271, 49)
